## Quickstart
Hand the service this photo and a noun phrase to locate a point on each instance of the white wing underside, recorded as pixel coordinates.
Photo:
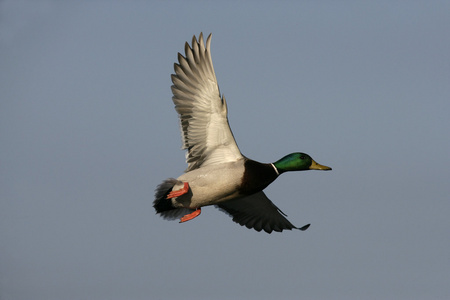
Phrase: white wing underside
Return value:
(205, 131)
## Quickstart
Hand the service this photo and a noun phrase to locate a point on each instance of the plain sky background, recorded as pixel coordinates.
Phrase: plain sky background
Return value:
(88, 130)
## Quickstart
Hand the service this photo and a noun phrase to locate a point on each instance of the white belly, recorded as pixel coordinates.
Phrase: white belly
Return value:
(211, 184)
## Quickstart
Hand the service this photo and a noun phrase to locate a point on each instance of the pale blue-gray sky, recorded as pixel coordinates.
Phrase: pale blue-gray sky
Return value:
(88, 130)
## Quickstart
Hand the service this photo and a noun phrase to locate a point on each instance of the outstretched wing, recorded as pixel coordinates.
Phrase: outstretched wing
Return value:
(205, 131)
(258, 212)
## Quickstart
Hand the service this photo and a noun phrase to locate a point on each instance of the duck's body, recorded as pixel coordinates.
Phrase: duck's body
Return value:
(211, 184)
(214, 184)
(218, 174)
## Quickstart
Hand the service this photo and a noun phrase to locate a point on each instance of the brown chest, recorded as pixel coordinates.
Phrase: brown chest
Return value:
(257, 176)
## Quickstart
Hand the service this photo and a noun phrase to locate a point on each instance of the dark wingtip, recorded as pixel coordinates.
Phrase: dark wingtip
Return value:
(304, 227)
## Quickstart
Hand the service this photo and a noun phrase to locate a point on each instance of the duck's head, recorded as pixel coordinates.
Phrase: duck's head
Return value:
(298, 162)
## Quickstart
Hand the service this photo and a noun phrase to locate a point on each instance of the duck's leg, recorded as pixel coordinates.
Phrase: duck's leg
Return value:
(190, 216)
(179, 192)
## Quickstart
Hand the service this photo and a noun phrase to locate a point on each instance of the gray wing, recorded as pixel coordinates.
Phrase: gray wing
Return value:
(205, 131)
(258, 212)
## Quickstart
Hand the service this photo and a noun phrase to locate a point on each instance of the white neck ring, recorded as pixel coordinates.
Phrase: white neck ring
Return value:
(276, 170)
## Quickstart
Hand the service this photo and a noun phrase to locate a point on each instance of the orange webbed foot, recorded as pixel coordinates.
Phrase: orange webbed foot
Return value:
(179, 192)
(191, 216)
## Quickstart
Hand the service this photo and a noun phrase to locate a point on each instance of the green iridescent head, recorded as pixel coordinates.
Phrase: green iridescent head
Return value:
(298, 162)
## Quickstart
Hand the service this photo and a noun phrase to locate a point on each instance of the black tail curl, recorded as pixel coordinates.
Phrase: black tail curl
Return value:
(161, 202)
(165, 207)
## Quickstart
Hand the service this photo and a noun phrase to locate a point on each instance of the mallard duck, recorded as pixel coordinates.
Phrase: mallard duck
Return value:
(218, 174)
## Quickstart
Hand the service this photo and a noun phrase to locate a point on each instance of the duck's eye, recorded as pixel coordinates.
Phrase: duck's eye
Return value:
(302, 157)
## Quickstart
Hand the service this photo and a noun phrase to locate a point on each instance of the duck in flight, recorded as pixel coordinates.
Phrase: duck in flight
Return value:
(218, 174)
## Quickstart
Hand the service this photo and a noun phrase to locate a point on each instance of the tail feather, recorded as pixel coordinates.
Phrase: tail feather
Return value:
(164, 206)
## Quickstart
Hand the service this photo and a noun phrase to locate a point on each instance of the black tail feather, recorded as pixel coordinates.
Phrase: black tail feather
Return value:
(161, 202)
(164, 206)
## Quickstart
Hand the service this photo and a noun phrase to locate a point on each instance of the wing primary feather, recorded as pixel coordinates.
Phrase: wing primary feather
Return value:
(258, 212)
(205, 131)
